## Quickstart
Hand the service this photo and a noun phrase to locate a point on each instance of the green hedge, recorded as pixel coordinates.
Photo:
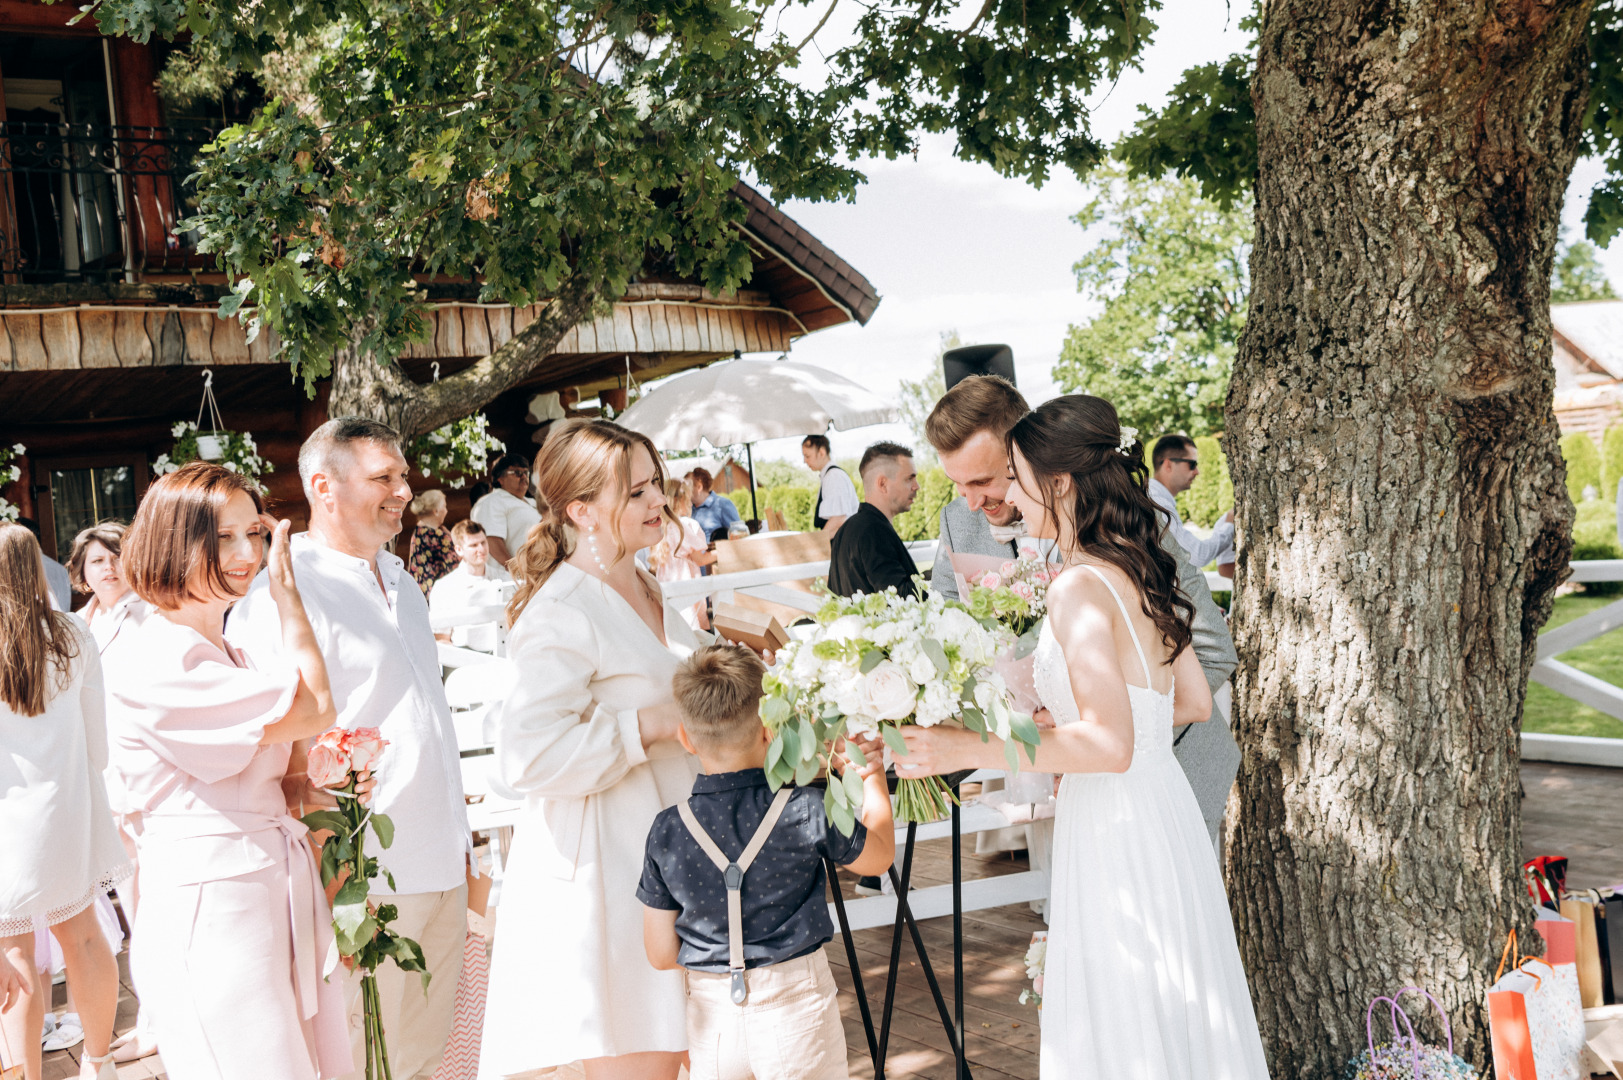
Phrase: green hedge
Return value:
(1212, 493)
(1583, 464)
(1611, 462)
(923, 521)
(741, 499)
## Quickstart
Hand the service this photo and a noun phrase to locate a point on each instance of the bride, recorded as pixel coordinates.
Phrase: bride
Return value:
(1143, 975)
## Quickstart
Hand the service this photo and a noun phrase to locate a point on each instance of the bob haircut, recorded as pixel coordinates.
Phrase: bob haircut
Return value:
(174, 544)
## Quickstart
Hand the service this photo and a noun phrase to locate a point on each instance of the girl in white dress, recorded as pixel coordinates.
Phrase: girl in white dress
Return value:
(94, 567)
(1143, 975)
(588, 738)
(60, 849)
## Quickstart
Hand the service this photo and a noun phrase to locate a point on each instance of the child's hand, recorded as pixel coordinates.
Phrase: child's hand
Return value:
(13, 986)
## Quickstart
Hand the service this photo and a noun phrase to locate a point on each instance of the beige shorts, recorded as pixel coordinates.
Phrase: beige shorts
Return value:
(788, 1029)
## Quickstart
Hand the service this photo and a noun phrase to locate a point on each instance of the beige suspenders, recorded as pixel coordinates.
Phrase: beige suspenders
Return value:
(733, 875)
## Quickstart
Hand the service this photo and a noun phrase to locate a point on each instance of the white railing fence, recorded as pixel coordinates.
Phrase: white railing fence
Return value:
(1580, 686)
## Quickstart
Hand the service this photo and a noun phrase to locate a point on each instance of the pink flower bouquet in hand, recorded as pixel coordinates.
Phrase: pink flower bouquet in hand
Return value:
(1014, 597)
(338, 761)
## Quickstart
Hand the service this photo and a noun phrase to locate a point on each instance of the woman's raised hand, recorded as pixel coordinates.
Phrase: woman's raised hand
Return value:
(279, 565)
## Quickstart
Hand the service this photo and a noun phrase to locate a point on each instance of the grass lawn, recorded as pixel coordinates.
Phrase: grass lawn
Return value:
(1556, 714)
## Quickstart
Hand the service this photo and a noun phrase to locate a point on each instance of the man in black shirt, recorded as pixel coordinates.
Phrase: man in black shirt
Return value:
(866, 555)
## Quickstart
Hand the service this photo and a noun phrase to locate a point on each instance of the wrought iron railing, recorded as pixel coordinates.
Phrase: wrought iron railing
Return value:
(94, 203)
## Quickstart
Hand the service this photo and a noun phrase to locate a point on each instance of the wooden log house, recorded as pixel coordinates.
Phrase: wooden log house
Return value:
(107, 312)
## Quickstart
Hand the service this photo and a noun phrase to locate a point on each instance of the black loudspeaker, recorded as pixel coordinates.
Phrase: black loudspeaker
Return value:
(966, 360)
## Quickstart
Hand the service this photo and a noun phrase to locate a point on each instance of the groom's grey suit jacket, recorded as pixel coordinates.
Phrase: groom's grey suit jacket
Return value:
(1207, 752)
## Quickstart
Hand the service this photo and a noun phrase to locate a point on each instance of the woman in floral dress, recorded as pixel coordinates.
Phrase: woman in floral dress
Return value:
(432, 554)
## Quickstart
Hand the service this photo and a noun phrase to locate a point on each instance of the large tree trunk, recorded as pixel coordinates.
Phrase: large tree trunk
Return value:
(381, 390)
(1400, 494)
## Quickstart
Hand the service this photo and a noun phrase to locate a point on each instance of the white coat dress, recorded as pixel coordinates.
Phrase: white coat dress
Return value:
(569, 978)
(60, 850)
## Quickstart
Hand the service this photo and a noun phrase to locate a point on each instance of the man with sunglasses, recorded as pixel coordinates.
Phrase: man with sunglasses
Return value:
(1177, 462)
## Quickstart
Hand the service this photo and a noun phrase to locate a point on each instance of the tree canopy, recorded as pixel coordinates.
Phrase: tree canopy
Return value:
(1169, 268)
(556, 148)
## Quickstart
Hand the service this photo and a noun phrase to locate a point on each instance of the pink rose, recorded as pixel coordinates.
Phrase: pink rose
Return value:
(991, 580)
(326, 765)
(365, 747)
(1008, 569)
(1037, 985)
(1023, 591)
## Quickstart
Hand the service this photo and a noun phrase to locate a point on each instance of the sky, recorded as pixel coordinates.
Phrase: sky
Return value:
(950, 245)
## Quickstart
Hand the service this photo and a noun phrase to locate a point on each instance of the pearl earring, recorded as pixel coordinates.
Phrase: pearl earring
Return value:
(591, 542)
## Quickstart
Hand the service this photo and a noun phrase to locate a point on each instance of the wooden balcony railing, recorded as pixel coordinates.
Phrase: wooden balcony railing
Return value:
(93, 203)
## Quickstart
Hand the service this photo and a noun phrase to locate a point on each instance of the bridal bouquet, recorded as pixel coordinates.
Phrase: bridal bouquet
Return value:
(872, 665)
(1015, 597)
(361, 929)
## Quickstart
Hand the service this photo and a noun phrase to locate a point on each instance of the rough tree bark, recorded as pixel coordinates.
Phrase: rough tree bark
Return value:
(1401, 499)
(381, 390)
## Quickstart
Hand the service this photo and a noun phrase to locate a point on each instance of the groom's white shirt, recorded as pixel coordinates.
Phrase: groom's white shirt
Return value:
(384, 668)
(1200, 551)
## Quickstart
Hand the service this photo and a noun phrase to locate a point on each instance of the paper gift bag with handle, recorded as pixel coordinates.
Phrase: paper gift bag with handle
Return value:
(1586, 948)
(1534, 1018)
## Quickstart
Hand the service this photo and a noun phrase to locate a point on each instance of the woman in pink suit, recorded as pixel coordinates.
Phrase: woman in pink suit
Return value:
(233, 927)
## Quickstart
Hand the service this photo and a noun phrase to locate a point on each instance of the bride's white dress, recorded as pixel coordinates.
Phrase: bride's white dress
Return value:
(1143, 975)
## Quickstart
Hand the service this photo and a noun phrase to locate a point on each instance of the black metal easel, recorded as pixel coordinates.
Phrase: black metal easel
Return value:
(952, 1022)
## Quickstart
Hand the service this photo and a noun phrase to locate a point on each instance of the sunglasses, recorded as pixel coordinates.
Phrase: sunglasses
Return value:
(1189, 461)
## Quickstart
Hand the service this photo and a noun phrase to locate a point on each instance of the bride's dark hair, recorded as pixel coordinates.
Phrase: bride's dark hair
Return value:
(1116, 520)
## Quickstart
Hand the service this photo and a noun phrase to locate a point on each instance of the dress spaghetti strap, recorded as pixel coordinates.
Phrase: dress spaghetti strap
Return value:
(1149, 683)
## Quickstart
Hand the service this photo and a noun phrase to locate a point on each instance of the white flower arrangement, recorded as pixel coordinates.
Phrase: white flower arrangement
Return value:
(234, 451)
(456, 451)
(10, 471)
(874, 664)
(1036, 965)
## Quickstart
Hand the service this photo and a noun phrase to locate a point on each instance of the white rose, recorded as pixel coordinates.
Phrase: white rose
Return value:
(959, 627)
(920, 668)
(18, 448)
(848, 696)
(888, 693)
(846, 627)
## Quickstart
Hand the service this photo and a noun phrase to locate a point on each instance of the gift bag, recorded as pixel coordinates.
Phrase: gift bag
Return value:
(461, 1060)
(1614, 944)
(1535, 1020)
(1546, 879)
(1591, 980)
(1406, 1054)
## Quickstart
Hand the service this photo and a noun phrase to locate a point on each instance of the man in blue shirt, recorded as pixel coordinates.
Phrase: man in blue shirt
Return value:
(733, 886)
(710, 510)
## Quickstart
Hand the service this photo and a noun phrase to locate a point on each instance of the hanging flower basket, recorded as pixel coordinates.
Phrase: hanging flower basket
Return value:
(231, 450)
(456, 451)
(9, 472)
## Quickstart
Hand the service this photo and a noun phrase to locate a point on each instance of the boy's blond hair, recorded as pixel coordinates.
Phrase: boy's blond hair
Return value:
(718, 689)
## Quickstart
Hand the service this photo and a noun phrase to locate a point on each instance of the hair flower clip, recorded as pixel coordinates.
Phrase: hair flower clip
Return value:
(1128, 437)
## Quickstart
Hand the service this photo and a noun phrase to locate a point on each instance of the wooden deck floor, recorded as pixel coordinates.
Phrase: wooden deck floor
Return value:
(1570, 810)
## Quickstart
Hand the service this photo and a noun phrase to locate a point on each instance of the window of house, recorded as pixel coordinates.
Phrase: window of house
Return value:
(82, 497)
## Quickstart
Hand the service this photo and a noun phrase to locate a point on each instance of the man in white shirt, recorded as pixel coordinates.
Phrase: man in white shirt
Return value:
(1177, 462)
(836, 495)
(475, 583)
(507, 512)
(372, 623)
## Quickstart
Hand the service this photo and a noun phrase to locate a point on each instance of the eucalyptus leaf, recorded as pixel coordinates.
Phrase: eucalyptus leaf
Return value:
(893, 739)
(872, 659)
(383, 825)
(938, 655)
(854, 795)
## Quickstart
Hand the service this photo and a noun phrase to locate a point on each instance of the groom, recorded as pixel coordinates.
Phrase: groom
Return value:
(968, 428)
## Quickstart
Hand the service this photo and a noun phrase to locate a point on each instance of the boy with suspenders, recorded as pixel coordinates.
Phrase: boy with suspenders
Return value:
(733, 887)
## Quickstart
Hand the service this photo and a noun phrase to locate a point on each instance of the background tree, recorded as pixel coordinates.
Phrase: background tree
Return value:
(1398, 485)
(1169, 268)
(1579, 275)
(549, 150)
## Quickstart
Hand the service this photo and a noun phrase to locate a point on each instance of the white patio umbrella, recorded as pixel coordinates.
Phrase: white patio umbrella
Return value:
(745, 401)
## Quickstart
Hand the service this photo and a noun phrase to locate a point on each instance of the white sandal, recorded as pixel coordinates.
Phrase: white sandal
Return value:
(105, 1069)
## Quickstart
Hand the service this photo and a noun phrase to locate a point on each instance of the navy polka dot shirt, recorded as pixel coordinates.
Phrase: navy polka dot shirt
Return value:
(784, 904)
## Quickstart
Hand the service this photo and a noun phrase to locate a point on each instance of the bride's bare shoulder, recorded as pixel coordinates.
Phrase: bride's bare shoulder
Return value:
(1077, 588)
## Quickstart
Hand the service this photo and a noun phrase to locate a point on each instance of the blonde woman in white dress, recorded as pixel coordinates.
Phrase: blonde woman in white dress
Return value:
(61, 850)
(588, 739)
(1143, 973)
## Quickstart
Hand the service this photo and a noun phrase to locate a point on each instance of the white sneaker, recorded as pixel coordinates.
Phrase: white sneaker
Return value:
(61, 1034)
